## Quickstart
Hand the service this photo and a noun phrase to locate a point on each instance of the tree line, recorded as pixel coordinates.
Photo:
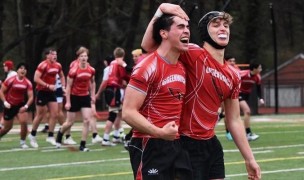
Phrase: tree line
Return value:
(29, 26)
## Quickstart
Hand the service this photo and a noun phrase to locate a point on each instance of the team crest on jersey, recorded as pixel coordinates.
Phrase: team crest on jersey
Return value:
(177, 93)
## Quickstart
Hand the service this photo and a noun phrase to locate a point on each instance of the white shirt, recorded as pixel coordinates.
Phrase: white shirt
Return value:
(58, 82)
(10, 74)
(105, 73)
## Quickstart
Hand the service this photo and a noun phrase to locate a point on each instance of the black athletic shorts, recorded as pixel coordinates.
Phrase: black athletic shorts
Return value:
(243, 96)
(59, 92)
(207, 157)
(9, 114)
(113, 96)
(44, 97)
(78, 102)
(157, 159)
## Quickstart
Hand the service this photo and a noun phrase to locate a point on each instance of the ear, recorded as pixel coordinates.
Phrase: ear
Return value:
(163, 34)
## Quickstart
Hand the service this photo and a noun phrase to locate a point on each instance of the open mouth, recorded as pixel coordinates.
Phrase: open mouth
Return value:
(184, 40)
(222, 36)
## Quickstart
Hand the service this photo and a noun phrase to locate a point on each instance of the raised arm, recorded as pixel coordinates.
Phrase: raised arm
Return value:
(148, 43)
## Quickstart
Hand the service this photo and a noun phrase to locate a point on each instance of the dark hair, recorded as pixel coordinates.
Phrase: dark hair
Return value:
(228, 56)
(22, 64)
(109, 58)
(162, 23)
(48, 51)
(254, 66)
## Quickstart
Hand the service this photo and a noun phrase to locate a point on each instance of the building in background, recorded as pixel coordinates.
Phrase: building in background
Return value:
(290, 84)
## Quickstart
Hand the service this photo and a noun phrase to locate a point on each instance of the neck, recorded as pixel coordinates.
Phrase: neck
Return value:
(51, 61)
(19, 77)
(217, 54)
(171, 56)
(119, 60)
(82, 65)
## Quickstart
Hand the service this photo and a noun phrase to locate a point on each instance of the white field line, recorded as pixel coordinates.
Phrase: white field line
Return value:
(123, 159)
(267, 172)
(124, 173)
(48, 149)
(65, 149)
(262, 152)
(78, 126)
(265, 133)
(75, 127)
(267, 148)
(62, 164)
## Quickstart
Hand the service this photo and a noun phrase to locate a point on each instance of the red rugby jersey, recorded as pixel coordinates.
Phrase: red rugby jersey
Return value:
(81, 79)
(17, 89)
(248, 80)
(164, 87)
(117, 74)
(208, 84)
(48, 72)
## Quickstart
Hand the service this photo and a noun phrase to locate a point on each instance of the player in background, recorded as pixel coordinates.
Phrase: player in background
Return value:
(17, 94)
(45, 79)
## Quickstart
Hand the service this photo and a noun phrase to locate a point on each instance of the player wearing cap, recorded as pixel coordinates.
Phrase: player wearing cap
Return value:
(8, 67)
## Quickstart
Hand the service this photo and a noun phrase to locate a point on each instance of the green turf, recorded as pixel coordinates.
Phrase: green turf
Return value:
(279, 151)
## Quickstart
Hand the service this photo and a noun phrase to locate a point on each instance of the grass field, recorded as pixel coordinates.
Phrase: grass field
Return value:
(279, 151)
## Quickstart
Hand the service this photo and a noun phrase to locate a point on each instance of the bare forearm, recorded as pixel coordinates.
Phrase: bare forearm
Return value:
(68, 94)
(139, 122)
(101, 87)
(93, 88)
(259, 91)
(30, 98)
(239, 136)
(148, 43)
(2, 96)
